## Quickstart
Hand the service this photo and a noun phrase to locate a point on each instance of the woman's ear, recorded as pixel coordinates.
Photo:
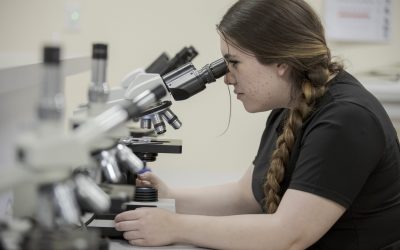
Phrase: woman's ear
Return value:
(282, 69)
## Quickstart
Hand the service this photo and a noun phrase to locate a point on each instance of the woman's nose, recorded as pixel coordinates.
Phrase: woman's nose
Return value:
(228, 79)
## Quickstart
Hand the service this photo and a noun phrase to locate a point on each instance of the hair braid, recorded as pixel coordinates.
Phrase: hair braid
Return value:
(313, 87)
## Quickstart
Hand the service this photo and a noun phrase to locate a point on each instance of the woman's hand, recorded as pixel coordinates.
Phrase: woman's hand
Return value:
(148, 226)
(149, 179)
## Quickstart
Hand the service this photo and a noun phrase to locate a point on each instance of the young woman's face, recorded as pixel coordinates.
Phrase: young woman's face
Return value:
(259, 87)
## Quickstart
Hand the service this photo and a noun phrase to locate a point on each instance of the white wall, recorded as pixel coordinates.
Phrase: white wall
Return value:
(137, 32)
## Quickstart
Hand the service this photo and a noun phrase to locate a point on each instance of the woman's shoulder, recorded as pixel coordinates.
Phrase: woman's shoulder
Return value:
(350, 107)
(344, 87)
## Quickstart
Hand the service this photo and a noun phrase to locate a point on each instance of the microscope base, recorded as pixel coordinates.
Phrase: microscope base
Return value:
(105, 222)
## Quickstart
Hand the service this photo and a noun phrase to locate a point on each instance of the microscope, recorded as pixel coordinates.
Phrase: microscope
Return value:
(59, 163)
(142, 140)
(123, 193)
(50, 159)
(182, 83)
(42, 155)
(112, 153)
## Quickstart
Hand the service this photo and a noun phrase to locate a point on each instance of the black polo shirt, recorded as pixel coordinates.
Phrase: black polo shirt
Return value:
(348, 152)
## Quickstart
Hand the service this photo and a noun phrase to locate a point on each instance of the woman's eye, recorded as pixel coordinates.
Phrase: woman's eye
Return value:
(233, 62)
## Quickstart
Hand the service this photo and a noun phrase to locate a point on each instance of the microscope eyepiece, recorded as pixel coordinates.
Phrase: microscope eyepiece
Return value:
(99, 51)
(219, 68)
(214, 70)
(98, 89)
(51, 101)
(186, 81)
(51, 55)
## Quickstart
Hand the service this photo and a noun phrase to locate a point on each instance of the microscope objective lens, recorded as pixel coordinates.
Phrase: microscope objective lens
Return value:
(158, 124)
(145, 123)
(171, 118)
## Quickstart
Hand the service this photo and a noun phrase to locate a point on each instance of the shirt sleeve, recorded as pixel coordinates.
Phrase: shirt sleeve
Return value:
(339, 150)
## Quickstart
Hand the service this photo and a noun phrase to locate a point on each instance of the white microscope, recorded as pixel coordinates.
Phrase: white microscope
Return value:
(182, 82)
(55, 161)
(48, 157)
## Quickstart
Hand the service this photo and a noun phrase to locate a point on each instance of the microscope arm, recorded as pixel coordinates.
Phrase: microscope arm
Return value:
(53, 158)
(117, 93)
(141, 83)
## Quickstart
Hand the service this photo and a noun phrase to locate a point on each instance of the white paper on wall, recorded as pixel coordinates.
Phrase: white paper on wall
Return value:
(358, 20)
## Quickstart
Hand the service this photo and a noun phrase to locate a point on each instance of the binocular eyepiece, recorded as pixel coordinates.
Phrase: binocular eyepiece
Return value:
(186, 81)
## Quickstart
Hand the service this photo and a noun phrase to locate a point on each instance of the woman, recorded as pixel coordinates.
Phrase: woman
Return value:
(327, 172)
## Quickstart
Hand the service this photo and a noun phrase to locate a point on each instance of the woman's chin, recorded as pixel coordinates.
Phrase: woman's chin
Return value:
(250, 109)
(253, 109)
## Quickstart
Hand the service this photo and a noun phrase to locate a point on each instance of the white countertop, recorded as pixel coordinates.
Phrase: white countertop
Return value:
(124, 245)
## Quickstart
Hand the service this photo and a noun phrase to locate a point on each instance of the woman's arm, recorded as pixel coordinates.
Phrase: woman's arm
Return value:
(225, 199)
(301, 219)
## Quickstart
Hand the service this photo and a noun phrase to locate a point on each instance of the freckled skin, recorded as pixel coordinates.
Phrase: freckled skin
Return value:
(260, 87)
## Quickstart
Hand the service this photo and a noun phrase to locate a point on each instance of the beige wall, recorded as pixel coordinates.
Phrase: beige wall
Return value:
(137, 32)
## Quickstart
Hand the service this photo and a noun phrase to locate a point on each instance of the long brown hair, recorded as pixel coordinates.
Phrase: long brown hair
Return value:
(290, 32)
